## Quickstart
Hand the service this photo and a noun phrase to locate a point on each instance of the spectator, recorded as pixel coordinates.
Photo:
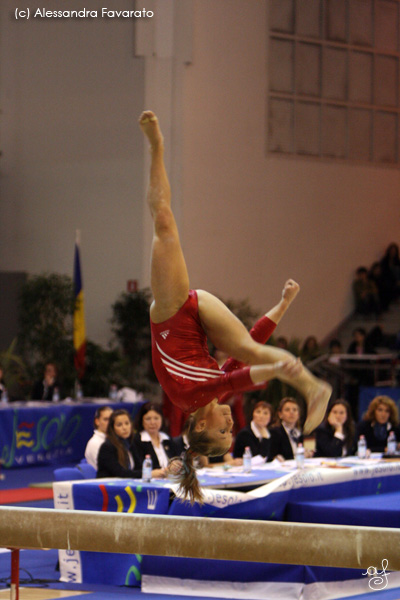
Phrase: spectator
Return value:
(118, 456)
(256, 435)
(282, 342)
(359, 375)
(390, 265)
(360, 344)
(380, 282)
(365, 293)
(286, 436)
(150, 439)
(3, 390)
(101, 420)
(49, 387)
(310, 349)
(380, 419)
(335, 347)
(335, 437)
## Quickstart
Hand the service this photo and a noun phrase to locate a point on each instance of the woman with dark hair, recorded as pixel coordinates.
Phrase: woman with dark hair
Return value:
(336, 436)
(381, 418)
(256, 435)
(182, 320)
(150, 439)
(118, 456)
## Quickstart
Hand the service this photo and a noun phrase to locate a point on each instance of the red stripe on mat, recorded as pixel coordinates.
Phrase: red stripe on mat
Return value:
(25, 495)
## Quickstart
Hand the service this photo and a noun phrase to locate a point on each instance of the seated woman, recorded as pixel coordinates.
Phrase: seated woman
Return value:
(256, 435)
(380, 419)
(118, 457)
(101, 420)
(286, 436)
(336, 436)
(151, 440)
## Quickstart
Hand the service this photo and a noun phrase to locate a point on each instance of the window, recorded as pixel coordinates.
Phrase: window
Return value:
(334, 79)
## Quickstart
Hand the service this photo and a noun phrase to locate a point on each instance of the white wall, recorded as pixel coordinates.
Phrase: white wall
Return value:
(252, 220)
(71, 93)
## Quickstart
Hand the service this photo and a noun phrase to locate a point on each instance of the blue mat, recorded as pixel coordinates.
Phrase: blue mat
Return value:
(24, 477)
(381, 509)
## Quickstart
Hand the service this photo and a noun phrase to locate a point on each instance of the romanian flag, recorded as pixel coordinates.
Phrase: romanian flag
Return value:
(79, 315)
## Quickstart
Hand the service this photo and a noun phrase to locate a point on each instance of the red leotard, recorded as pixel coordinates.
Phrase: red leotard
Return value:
(183, 365)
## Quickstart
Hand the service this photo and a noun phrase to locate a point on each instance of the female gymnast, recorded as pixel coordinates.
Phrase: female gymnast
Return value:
(183, 319)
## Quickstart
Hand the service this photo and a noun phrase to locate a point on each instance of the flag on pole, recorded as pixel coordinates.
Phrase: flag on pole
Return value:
(79, 314)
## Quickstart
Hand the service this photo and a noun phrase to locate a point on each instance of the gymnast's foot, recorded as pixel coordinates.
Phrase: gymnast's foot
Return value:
(149, 125)
(317, 402)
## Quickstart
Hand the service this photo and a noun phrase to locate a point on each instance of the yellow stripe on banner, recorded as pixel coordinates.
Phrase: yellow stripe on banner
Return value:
(79, 322)
(120, 504)
(132, 497)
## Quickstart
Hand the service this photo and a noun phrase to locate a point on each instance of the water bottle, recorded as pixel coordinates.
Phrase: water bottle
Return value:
(362, 447)
(147, 468)
(56, 395)
(113, 392)
(391, 443)
(79, 393)
(4, 396)
(247, 456)
(300, 456)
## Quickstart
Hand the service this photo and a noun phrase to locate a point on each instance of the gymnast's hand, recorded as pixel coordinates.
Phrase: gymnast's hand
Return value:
(290, 291)
(288, 368)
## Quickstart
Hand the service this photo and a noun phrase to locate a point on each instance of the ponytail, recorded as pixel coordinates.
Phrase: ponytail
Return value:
(189, 486)
(184, 468)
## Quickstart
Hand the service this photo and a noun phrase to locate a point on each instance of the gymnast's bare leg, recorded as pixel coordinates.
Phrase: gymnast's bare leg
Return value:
(170, 286)
(169, 276)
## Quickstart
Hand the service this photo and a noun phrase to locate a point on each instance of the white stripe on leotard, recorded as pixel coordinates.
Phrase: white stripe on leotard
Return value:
(184, 376)
(183, 372)
(188, 371)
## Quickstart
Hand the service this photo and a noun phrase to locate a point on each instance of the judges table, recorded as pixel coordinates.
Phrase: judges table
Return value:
(289, 493)
(39, 433)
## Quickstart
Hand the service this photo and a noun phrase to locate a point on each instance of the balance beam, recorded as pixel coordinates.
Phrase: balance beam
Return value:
(200, 537)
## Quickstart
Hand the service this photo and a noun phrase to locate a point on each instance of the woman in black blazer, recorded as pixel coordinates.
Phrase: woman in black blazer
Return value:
(117, 456)
(336, 436)
(380, 419)
(286, 436)
(151, 440)
(256, 435)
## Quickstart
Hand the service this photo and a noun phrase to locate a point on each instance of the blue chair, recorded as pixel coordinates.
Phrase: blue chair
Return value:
(68, 474)
(87, 470)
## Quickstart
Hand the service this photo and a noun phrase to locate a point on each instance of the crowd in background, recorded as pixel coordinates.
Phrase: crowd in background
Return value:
(119, 446)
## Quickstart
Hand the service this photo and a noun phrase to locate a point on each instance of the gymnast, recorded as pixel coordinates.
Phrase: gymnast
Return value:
(181, 322)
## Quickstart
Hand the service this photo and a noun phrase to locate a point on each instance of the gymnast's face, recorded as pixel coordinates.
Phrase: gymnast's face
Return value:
(219, 423)
(123, 426)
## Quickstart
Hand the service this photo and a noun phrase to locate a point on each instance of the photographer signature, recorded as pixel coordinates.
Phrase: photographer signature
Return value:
(378, 579)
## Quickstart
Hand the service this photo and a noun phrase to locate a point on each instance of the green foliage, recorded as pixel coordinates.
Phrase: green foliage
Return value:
(131, 327)
(14, 370)
(100, 372)
(45, 319)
